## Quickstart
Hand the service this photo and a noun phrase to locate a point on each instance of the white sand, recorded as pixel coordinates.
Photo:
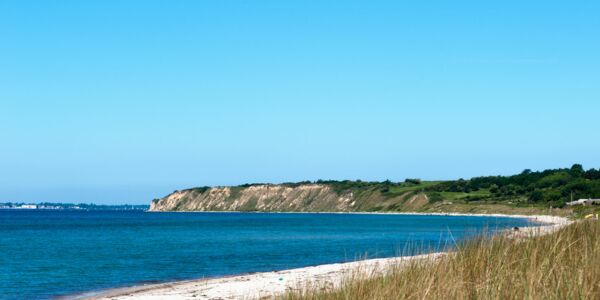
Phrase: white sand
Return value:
(268, 284)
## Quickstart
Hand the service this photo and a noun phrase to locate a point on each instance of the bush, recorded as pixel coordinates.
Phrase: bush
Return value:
(412, 180)
(435, 197)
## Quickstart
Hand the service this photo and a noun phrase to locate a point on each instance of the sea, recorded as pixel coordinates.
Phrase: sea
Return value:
(45, 254)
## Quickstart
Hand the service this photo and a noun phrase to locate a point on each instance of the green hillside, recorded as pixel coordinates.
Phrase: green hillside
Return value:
(527, 192)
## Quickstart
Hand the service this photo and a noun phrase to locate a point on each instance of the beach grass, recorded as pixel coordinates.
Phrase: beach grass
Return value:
(560, 265)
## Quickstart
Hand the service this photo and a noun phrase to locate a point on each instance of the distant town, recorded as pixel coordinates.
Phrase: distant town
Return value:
(70, 206)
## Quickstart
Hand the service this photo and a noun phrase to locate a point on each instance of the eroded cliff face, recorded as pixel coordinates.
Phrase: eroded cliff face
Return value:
(305, 197)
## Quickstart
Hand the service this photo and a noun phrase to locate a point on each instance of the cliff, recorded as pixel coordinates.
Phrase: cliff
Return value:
(295, 197)
(529, 190)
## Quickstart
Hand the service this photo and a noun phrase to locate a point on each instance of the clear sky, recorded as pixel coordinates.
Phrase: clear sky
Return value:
(125, 101)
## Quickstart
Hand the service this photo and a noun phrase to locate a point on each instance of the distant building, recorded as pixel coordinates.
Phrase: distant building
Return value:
(28, 206)
(585, 202)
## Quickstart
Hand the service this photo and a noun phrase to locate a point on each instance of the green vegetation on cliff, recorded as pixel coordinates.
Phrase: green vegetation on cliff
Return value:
(551, 187)
(527, 192)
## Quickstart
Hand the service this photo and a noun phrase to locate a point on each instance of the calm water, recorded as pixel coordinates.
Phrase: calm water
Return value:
(44, 254)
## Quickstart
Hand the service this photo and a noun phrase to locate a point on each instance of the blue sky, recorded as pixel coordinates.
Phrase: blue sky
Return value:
(125, 101)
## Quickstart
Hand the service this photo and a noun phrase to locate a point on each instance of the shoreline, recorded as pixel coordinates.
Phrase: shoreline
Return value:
(543, 218)
(270, 284)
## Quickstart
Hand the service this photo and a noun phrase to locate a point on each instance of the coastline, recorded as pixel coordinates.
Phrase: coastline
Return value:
(269, 284)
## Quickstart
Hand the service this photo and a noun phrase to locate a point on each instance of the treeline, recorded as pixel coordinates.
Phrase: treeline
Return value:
(338, 185)
(552, 187)
(555, 186)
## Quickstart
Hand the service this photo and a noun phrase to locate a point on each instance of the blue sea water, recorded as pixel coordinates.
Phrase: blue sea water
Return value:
(44, 254)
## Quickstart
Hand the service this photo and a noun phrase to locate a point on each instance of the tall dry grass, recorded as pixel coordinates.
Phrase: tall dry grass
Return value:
(562, 265)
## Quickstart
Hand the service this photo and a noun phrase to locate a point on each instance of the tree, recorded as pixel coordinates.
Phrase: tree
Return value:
(577, 170)
(592, 174)
(536, 196)
(413, 180)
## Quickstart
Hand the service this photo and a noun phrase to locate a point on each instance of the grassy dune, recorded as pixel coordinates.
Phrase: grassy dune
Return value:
(562, 265)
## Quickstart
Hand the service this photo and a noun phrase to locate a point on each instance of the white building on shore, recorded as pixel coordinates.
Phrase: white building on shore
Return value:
(585, 202)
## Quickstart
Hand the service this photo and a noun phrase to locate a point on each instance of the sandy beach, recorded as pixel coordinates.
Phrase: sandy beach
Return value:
(265, 285)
